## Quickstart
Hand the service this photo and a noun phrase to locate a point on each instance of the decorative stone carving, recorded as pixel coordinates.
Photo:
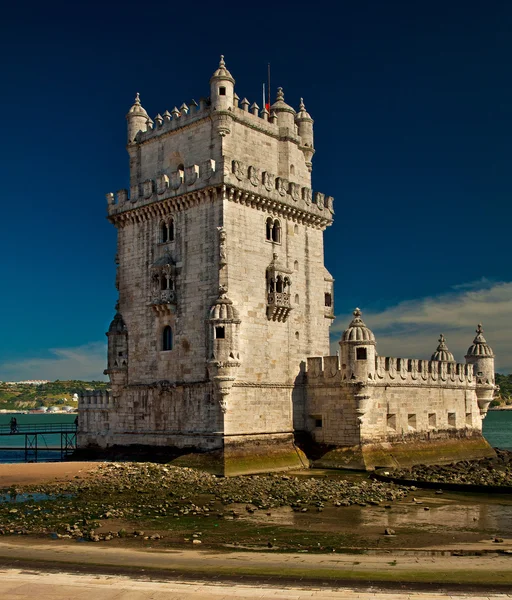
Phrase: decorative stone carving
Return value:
(208, 169)
(191, 174)
(238, 169)
(162, 184)
(176, 179)
(147, 188)
(268, 180)
(281, 186)
(295, 191)
(223, 260)
(278, 291)
(306, 195)
(254, 175)
(319, 200)
(122, 196)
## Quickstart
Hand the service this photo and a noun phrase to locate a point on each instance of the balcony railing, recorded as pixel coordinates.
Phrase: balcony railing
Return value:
(278, 299)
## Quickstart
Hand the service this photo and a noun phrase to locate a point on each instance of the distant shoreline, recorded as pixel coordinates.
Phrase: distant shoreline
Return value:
(501, 408)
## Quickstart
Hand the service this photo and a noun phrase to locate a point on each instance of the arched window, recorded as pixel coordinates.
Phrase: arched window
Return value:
(167, 338)
(296, 265)
(292, 170)
(296, 298)
(164, 233)
(164, 282)
(276, 232)
(269, 229)
(170, 228)
(279, 284)
(181, 167)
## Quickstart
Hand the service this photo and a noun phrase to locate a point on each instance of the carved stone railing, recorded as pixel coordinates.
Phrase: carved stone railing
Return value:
(278, 306)
(164, 300)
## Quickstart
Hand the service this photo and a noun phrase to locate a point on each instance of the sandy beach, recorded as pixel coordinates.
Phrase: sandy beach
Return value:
(36, 473)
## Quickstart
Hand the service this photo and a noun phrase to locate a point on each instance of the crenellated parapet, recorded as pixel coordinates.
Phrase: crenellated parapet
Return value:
(95, 400)
(391, 371)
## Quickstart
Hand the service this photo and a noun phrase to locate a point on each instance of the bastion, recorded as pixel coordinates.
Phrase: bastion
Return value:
(219, 346)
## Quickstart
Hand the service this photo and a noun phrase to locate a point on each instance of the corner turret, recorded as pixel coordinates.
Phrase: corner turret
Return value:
(137, 119)
(481, 356)
(222, 88)
(357, 350)
(224, 358)
(305, 126)
(284, 112)
(117, 365)
(442, 353)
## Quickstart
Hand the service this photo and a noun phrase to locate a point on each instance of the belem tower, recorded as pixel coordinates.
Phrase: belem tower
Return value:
(220, 344)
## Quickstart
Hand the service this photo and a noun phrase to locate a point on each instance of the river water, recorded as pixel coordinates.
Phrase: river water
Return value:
(497, 430)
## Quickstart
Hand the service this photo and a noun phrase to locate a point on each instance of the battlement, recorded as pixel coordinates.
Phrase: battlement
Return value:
(392, 371)
(242, 111)
(99, 400)
(248, 178)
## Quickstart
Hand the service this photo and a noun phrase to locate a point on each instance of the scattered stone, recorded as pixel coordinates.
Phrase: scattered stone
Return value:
(389, 531)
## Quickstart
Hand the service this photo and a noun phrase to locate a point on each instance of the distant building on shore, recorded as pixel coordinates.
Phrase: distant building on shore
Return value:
(220, 342)
(28, 382)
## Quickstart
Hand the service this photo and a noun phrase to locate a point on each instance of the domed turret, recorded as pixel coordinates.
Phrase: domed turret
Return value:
(305, 126)
(442, 353)
(137, 119)
(117, 365)
(285, 113)
(481, 356)
(222, 87)
(224, 357)
(357, 349)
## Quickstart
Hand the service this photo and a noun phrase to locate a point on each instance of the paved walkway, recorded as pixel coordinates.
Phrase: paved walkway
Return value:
(17, 584)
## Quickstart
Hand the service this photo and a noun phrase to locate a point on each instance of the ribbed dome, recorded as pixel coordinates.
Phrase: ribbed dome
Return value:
(118, 325)
(480, 347)
(280, 105)
(137, 109)
(442, 352)
(224, 310)
(303, 114)
(357, 330)
(222, 72)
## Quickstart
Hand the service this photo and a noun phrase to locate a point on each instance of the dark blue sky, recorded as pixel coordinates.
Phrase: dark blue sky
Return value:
(412, 106)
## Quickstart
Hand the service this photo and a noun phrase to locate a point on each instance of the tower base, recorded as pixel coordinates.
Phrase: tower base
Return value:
(369, 457)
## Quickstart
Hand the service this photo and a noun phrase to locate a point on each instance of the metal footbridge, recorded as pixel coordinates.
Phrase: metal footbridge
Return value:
(36, 438)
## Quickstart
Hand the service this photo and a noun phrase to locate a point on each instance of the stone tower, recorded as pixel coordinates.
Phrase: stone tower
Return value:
(481, 357)
(223, 293)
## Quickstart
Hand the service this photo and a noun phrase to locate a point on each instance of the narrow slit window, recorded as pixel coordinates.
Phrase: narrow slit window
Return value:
(328, 299)
(167, 338)
(171, 230)
(164, 234)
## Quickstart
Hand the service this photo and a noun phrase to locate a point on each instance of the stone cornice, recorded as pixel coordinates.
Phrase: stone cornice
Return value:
(155, 209)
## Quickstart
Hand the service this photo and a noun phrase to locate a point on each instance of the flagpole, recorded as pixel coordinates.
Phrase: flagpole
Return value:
(269, 86)
(263, 96)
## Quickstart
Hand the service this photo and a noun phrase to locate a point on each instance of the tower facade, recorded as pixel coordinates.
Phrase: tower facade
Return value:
(223, 293)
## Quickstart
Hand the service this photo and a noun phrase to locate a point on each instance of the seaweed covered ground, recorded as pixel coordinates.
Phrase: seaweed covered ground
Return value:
(486, 471)
(155, 505)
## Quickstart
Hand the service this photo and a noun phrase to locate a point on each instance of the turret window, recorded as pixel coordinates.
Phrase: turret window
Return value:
(220, 333)
(328, 299)
(361, 354)
(222, 91)
(167, 338)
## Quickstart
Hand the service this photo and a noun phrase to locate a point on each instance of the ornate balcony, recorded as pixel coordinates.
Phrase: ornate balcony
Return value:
(164, 301)
(278, 306)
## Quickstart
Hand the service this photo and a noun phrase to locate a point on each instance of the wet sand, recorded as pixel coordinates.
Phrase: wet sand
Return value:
(36, 473)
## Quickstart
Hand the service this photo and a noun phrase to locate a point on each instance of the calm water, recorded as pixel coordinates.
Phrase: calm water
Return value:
(497, 430)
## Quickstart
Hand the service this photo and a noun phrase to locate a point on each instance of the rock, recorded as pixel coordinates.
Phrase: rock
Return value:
(498, 540)
(196, 542)
(389, 531)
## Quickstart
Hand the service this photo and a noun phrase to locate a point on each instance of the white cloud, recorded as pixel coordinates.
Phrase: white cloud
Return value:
(411, 328)
(83, 362)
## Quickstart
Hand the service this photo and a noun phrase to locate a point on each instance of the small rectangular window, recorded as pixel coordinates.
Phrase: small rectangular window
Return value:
(361, 354)
(220, 333)
(222, 91)
(451, 419)
(318, 422)
(432, 420)
(328, 300)
(411, 422)
(469, 419)
(391, 422)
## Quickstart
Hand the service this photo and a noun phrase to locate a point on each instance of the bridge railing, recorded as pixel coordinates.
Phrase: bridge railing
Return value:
(26, 428)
